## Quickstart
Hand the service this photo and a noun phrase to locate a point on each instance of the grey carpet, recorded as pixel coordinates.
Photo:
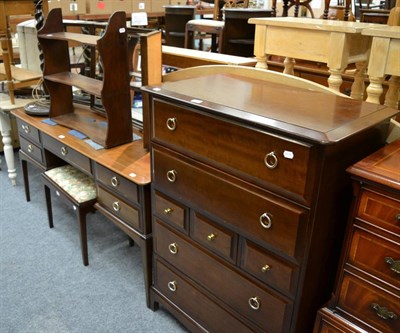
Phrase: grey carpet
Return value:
(44, 287)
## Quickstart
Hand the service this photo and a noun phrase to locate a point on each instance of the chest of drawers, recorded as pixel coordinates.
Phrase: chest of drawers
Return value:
(368, 289)
(250, 198)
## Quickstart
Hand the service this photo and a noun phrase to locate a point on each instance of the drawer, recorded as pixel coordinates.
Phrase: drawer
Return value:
(269, 311)
(184, 295)
(328, 321)
(118, 207)
(117, 183)
(67, 154)
(170, 211)
(375, 255)
(258, 215)
(265, 158)
(217, 239)
(28, 131)
(370, 304)
(32, 150)
(268, 268)
(381, 210)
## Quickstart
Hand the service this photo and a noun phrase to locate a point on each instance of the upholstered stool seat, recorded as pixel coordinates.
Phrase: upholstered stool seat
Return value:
(76, 188)
(213, 27)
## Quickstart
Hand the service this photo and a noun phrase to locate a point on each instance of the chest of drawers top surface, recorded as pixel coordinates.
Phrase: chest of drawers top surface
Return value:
(313, 116)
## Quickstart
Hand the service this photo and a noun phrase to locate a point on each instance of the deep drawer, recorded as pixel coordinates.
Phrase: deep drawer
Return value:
(376, 255)
(259, 216)
(209, 314)
(28, 131)
(115, 182)
(239, 149)
(380, 210)
(270, 312)
(268, 268)
(170, 211)
(118, 207)
(31, 150)
(67, 154)
(374, 306)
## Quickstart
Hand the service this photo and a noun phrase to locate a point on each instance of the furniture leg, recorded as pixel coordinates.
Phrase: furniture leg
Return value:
(289, 66)
(393, 93)
(335, 79)
(48, 205)
(146, 246)
(81, 215)
(5, 129)
(131, 242)
(24, 166)
(374, 89)
(358, 86)
(7, 66)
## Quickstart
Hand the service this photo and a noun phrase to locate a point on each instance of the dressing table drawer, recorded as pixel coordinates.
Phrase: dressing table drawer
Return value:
(68, 154)
(28, 131)
(32, 150)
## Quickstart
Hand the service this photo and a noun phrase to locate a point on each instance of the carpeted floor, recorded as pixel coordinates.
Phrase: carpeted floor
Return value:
(44, 287)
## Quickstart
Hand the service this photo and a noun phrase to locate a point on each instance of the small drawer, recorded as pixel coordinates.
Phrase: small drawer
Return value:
(265, 158)
(117, 183)
(67, 154)
(170, 211)
(254, 213)
(31, 150)
(267, 309)
(328, 321)
(380, 210)
(118, 208)
(28, 131)
(195, 304)
(376, 255)
(268, 268)
(217, 239)
(370, 304)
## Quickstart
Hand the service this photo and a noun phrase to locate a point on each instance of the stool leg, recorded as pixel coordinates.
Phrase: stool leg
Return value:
(131, 242)
(83, 236)
(24, 165)
(48, 206)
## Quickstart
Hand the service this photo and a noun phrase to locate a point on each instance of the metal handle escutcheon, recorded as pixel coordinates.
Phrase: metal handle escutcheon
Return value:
(171, 175)
(171, 124)
(394, 264)
(64, 151)
(173, 248)
(116, 206)
(114, 181)
(30, 148)
(266, 220)
(168, 211)
(265, 268)
(271, 160)
(172, 285)
(26, 128)
(383, 312)
(255, 302)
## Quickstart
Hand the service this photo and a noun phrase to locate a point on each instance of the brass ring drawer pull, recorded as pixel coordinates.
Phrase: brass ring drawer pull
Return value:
(172, 285)
(255, 302)
(26, 128)
(173, 248)
(271, 160)
(168, 211)
(30, 148)
(171, 124)
(266, 220)
(116, 206)
(265, 268)
(383, 312)
(211, 237)
(394, 264)
(64, 151)
(114, 181)
(171, 175)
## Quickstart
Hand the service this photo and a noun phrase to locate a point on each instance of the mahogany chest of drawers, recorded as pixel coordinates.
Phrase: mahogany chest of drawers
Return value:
(368, 290)
(250, 197)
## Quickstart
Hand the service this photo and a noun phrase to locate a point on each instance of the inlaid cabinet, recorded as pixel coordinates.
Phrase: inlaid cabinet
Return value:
(250, 198)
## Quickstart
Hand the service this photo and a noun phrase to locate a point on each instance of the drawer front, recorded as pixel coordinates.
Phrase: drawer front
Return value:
(117, 183)
(28, 131)
(376, 255)
(170, 211)
(237, 148)
(330, 322)
(118, 207)
(268, 268)
(67, 154)
(217, 239)
(370, 304)
(31, 150)
(263, 217)
(268, 311)
(207, 313)
(380, 210)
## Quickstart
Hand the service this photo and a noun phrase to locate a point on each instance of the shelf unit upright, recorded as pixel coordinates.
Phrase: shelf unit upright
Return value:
(112, 127)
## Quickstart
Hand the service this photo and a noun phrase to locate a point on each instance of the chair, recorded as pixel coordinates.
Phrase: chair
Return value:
(343, 6)
(74, 187)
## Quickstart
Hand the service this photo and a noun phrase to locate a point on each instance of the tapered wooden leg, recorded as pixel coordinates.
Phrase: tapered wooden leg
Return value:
(83, 236)
(131, 242)
(24, 166)
(48, 206)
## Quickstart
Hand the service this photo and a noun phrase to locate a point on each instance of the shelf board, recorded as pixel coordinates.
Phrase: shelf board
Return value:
(87, 84)
(72, 36)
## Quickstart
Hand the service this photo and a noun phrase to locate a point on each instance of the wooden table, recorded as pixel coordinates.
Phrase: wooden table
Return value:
(384, 60)
(336, 43)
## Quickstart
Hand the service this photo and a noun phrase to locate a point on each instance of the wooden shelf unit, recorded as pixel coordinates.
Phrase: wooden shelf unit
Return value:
(113, 89)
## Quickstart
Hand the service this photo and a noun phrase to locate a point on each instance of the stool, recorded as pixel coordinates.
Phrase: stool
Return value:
(213, 27)
(76, 188)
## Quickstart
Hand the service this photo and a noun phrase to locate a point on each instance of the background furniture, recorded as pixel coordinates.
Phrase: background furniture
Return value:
(247, 209)
(367, 296)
